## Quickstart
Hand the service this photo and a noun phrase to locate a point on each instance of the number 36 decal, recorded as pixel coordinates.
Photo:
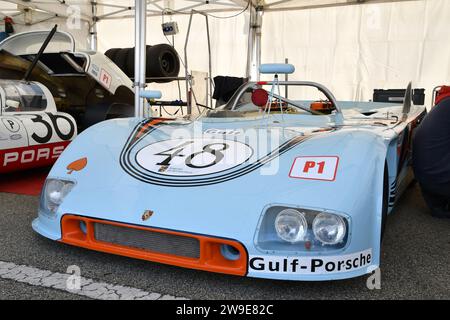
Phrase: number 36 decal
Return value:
(44, 127)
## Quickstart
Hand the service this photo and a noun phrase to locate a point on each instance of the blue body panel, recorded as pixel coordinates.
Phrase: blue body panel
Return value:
(234, 208)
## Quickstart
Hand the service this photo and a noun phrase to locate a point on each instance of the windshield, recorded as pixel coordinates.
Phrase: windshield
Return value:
(23, 97)
(254, 99)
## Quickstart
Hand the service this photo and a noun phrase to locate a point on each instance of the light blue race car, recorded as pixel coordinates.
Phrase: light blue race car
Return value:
(267, 185)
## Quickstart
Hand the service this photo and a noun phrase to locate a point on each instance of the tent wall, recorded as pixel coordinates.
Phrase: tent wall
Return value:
(352, 49)
(356, 49)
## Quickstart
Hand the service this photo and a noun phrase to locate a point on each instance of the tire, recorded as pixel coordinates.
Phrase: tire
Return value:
(119, 57)
(130, 63)
(384, 213)
(111, 54)
(162, 61)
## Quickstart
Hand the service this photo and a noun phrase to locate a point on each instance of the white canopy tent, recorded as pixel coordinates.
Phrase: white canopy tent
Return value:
(351, 46)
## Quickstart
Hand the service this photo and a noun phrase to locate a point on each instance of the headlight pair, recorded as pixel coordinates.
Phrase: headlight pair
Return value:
(54, 193)
(292, 226)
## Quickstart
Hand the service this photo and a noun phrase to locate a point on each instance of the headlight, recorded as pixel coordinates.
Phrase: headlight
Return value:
(329, 229)
(291, 225)
(55, 191)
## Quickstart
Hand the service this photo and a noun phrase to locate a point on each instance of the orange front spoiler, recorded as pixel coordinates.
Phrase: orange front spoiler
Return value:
(210, 259)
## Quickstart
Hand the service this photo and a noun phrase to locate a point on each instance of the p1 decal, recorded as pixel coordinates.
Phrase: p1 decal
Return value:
(315, 168)
(310, 265)
(105, 79)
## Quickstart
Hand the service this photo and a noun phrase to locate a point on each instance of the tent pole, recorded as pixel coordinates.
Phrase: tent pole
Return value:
(254, 43)
(251, 43)
(93, 28)
(140, 55)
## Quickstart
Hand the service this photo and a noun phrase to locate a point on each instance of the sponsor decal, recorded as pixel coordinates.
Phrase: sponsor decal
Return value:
(147, 215)
(224, 132)
(105, 79)
(30, 157)
(310, 265)
(193, 162)
(95, 70)
(315, 168)
(77, 165)
(11, 124)
(15, 137)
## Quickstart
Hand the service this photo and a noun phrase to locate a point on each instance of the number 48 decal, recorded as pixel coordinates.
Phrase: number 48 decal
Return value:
(315, 168)
(177, 152)
(191, 157)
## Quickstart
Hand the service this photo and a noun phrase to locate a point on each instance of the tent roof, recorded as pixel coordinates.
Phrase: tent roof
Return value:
(117, 9)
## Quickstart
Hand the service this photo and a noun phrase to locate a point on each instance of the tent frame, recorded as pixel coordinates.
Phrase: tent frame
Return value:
(141, 11)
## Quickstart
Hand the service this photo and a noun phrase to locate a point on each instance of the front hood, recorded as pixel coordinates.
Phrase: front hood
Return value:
(195, 154)
(200, 176)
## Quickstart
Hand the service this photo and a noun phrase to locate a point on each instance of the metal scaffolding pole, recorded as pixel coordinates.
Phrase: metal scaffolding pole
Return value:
(140, 55)
(254, 44)
(93, 27)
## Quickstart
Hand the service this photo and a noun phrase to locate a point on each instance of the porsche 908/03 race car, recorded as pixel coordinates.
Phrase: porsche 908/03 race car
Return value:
(32, 132)
(264, 186)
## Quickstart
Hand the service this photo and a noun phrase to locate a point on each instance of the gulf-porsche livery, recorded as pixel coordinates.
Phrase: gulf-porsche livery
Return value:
(266, 186)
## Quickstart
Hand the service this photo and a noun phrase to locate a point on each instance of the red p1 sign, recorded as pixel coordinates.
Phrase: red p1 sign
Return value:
(315, 168)
(105, 79)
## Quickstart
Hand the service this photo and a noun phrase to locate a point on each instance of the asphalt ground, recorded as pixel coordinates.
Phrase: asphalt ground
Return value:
(415, 263)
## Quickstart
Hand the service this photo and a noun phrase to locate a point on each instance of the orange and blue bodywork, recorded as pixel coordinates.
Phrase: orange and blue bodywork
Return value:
(202, 195)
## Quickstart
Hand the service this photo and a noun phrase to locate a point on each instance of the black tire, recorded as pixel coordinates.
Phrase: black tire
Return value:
(121, 59)
(162, 61)
(111, 54)
(384, 213)
(130, 63)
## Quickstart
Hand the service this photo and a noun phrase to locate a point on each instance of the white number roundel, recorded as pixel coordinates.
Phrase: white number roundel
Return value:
(193, 157)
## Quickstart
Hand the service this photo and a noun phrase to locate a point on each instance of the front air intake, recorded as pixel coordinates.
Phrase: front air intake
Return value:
(163, 243)
(178, 248)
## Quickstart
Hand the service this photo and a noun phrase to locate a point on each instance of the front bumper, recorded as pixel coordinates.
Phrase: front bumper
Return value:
(80, 231)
